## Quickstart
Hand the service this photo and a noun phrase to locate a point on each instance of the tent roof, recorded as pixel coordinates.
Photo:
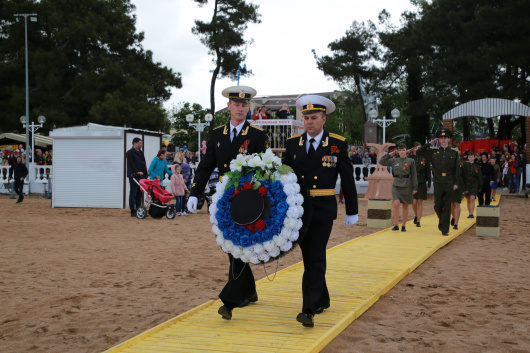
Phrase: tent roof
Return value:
(40, 140)
(488, 108)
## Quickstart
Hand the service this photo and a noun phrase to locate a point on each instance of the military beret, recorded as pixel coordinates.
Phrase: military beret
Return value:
(401, 146)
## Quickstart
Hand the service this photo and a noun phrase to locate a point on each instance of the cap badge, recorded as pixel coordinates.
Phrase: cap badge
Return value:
(309, 105)
(242, 94)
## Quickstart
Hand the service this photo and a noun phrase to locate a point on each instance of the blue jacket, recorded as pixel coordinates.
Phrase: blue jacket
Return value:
(158, 167)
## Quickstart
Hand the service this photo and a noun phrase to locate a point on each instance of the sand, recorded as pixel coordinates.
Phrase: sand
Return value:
(83, 280)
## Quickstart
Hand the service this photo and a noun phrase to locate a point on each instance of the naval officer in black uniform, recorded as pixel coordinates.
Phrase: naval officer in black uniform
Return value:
(225, 143)
(318, 157)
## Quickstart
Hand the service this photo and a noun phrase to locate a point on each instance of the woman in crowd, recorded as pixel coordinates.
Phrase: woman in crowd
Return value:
(158, 167)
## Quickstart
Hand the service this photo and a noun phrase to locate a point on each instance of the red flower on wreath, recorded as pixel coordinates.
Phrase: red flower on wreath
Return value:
(260, 224)
(262, 191)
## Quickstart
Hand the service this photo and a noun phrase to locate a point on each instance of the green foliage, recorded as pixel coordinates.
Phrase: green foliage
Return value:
(186, 134)
(447, 53)
(86, 64)
(223, 37)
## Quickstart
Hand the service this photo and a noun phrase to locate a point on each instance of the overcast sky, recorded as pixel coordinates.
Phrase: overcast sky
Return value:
(280, 57)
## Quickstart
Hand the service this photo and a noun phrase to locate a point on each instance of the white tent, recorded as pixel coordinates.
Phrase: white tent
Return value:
(89, 165)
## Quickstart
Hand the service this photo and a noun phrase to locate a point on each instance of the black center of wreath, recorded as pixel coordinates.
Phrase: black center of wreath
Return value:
(248, 206)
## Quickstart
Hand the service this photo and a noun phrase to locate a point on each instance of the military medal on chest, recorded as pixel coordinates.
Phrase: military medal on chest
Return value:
(328, 161)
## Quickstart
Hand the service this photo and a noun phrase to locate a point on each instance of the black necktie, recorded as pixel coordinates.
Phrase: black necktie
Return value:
(311, 148)
(235, 134)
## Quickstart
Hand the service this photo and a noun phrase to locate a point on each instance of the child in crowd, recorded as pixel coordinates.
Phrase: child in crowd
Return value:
(178, 188)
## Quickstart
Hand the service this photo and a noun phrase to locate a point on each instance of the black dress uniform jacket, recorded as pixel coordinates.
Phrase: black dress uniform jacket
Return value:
(319, 175)
(241, 285)
(220, 151)
(312, 175)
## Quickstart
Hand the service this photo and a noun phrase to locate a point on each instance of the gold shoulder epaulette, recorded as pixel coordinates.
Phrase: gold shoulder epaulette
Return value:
(215, 128)
(338, 137)
(292, 137)
(255, 127)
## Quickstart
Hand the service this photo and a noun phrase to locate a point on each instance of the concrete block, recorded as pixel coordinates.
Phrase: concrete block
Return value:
(488, 231)
(374, 204)
(378, 223)
(488, 211)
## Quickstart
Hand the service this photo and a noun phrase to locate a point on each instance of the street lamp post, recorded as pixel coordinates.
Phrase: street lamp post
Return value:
(33, 127)
(384, 122)
(33, 18)
(199, 127)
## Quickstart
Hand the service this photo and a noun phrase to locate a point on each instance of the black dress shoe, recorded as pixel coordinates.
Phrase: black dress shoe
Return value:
(452, 221)
(455, 226)
(321, 309)
(470, 216)
(395, 228)
(418, 224)
(415, 220)
(403, 229)
(18, 201)
(445, 234)
(225, 312)
(252, 299)
(305, 319)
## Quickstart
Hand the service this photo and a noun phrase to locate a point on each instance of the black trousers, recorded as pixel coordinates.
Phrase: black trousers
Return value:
(314, 289)
(240, 286)
(135, 194)
(19, 188)
(484, 195)
(442, 204)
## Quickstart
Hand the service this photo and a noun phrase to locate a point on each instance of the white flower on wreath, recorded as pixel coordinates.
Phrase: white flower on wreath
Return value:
(256, 161)
(238, 163)
(270, 160)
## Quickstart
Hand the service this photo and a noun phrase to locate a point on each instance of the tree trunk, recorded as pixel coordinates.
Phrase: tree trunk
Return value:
(491, 128)
(465, 128)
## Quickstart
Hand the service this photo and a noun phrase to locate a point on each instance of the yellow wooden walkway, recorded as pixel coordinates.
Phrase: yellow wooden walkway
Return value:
(359, 272)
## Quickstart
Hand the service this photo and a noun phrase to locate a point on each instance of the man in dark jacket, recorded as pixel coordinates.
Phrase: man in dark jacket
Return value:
(19, 169)
(136, 170)
(488, 176)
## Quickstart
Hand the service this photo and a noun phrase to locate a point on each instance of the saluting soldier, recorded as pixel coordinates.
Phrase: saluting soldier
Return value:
(458, 194)
(472, 177)
(225, 143)
(405, 182)
(423, 171)
(318, 157)
(444, 162)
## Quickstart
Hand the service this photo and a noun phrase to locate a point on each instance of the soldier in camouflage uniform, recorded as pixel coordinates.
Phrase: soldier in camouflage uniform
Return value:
(423, 170)
(405, 182)
(444, 162)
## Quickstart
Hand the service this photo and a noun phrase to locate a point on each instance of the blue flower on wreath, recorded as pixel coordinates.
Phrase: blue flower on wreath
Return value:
(240, 235)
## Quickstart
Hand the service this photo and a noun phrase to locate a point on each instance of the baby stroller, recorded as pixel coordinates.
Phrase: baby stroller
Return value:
(157, 199)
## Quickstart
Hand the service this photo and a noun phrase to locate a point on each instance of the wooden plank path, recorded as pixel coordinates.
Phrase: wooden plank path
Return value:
(359, 272)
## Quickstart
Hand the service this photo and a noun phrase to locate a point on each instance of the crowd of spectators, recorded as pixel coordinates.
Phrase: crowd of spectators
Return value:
(10, 157)
(509, 165)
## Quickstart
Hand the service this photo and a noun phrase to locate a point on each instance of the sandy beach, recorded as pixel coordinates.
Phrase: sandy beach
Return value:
(84, 280)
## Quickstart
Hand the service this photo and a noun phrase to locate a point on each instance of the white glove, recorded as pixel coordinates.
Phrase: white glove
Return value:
(350, 220)
(192, 204)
